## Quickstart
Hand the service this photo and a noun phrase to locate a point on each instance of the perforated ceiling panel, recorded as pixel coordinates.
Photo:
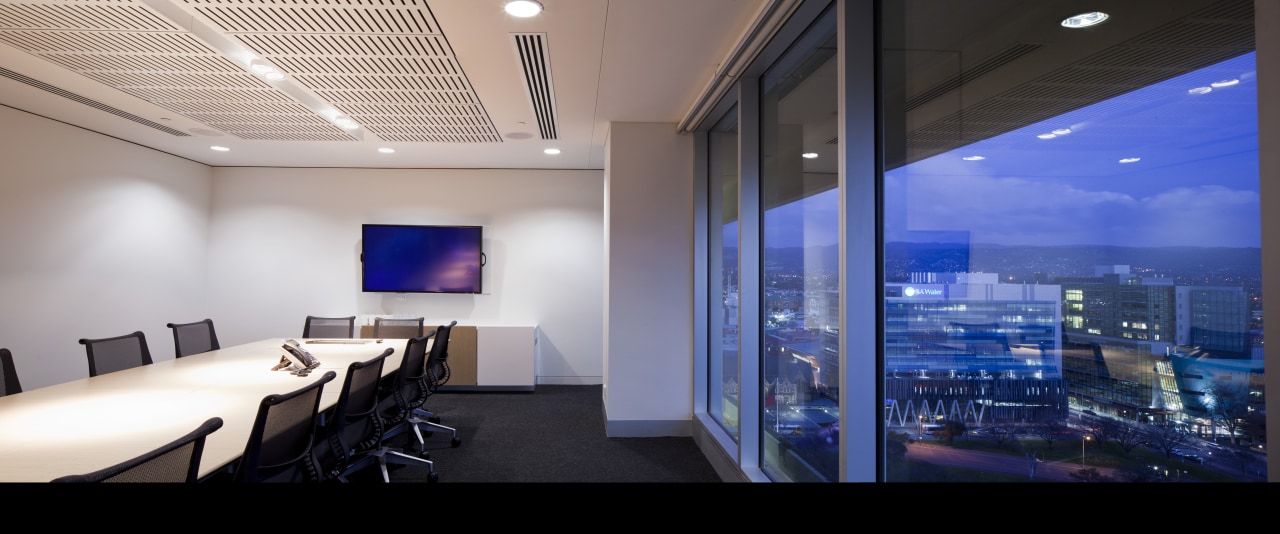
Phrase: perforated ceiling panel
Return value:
(382, 63)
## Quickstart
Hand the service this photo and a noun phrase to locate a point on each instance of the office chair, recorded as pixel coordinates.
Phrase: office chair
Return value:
(176, 461)
(193, 338)
(329, 327)
(279, 448)
(396, 404)
(437, 373)
(110, 354)
(397, 328)
(9, 384)
(354, 427)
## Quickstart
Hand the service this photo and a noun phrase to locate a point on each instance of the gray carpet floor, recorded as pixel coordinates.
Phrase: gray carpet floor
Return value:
(553, 434)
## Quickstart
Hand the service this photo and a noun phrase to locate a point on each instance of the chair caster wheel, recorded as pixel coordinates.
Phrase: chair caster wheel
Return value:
(433, 477)
(455, 442)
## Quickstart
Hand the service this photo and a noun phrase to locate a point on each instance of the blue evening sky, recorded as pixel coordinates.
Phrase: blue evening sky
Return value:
(1195, 182)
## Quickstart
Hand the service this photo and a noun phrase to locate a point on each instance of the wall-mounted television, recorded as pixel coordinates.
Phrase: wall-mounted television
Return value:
(402, 258)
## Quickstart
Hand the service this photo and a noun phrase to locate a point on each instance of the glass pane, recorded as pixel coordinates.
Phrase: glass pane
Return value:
(1072, 243)
(723, 308)
(801, 430)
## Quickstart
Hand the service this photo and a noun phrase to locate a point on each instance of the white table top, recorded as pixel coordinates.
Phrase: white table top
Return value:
(88, 424)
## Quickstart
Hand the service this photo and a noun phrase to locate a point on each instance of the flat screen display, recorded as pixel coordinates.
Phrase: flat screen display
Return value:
(398, 258)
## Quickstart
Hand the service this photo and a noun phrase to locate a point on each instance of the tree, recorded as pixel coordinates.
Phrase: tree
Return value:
(1165, 438)
(1097, 427)
(1125, 434)
(895, 447)
(1048, 429)
(1002, 431)
(952, 429)
(1228, 403)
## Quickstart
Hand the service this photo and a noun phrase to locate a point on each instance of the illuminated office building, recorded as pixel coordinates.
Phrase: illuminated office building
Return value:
(973, 350)
(1213, 319)
(1120, 328)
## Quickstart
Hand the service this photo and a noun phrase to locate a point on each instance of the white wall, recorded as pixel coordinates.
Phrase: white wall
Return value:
(649, 281)
(101, 237)
(285, 243)
(98, 238)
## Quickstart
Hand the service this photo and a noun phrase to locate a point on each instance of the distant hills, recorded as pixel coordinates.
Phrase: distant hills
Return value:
(1027, 264)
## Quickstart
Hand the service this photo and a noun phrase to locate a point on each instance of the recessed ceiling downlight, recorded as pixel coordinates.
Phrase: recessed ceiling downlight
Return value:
(386, 150)
(523, 8)
(1085, 20)
(809, 155)
(551, 151)
(219, 148)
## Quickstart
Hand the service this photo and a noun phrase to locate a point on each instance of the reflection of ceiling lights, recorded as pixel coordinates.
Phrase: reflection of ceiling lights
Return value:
(523, 8)
(809, 155)
(1084, 20)
(386, 150)
(551, 151)
(1224, 83)
(264, 69)
(974, 158)
(1046, 136)
(1130, 160)
(1062, 131)
(219, 148)
(1199, 90)
(345, 122)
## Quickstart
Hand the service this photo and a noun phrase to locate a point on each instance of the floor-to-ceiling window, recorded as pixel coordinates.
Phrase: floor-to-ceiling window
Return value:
(1071, 274)
(800, 367)
(722, 324)
(1072, 263)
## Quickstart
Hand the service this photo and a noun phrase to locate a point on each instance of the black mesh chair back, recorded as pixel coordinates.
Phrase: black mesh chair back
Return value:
(410, 388)
(280, 443)
(330, 327)
(397, 328)
(396, 403)
(193, 338)
(437, 364)
(436, 370)
(8, 374)
(176, 461)
(111, 354)
(354, 427)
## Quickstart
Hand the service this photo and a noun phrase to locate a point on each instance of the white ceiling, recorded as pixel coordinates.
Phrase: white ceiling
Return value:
(439, 81)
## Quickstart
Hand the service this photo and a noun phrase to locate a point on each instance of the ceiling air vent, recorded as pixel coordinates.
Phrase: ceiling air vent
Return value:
(89, 102)
(531, 50)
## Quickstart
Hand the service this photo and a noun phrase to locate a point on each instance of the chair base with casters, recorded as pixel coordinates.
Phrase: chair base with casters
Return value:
(397, 403)
(436, 374)
(388, 455)
(421, 418)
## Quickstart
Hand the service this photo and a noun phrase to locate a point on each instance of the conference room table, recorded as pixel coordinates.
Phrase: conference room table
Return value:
(84, 425)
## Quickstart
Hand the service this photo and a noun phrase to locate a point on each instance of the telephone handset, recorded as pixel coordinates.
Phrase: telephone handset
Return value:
(298, 358)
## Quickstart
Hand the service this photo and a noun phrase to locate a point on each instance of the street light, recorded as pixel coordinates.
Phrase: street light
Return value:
(1082, 442)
